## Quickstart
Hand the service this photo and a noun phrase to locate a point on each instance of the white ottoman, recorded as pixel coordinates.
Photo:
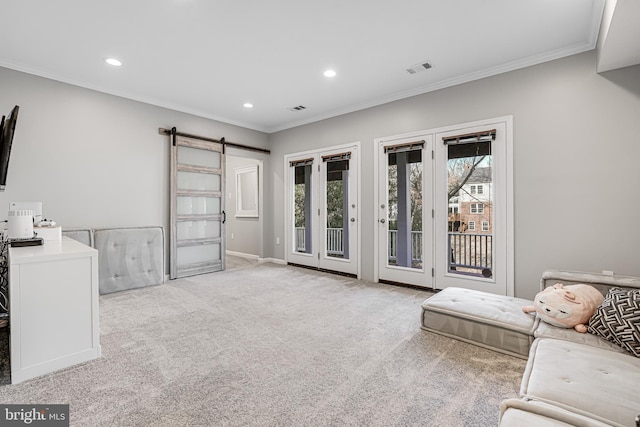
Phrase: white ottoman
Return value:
(488, 320)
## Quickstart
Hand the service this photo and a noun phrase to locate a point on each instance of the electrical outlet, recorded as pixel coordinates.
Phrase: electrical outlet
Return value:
(277, 240)
(232, 236)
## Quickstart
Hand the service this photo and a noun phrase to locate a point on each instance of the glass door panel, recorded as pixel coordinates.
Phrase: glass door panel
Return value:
(470, 203)
(337, 209)
(302, 204)
(198, 157)
(404, 183)
(199, 181)
(198, 230)
(189, 205)
(201, 254)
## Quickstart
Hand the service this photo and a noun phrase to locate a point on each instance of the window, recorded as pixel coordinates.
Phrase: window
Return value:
(472, 226)
(485, 225)
(472, 190)
(480, 189)
(477, 208)
(453, 209)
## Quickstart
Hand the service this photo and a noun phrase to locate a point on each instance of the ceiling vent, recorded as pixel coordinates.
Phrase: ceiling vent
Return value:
(419, 67)
(298, 108)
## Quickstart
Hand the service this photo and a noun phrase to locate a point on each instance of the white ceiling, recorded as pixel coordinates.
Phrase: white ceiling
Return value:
(209, 57)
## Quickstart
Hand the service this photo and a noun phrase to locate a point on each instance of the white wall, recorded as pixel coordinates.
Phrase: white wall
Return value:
(575, 161)
(94, 159)
(97, 160)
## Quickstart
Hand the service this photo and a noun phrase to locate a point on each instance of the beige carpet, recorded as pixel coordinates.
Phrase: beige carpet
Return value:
(274, 345)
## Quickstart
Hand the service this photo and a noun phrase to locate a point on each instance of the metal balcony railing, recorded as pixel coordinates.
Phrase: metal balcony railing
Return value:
(468, 253)
(335, 243)
(471, 253)
(416, 246)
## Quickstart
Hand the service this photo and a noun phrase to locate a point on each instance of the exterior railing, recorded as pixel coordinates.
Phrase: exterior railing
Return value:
(416, 246)
(471, 253)
(300, 243)
(335, 243)
(468, 253)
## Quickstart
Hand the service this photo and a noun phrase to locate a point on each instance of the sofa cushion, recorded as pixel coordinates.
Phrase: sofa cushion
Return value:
(545, 330)
(491, 321)
(589, 381)
(523, 412)
(617, 319)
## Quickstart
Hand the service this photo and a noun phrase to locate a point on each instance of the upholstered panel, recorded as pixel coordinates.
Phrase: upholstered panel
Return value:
(129, 258)
(519, 413)
(492, 321)
(600, 281)
(82, 235)
(589, 381)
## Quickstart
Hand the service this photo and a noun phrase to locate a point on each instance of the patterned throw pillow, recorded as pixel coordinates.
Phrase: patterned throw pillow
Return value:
(617, 319)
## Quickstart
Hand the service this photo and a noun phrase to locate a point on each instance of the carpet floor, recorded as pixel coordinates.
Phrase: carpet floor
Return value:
(271, 345)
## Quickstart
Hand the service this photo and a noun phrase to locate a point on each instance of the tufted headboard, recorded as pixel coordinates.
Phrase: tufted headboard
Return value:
(82, 235)
(601, 282)
(129, 258)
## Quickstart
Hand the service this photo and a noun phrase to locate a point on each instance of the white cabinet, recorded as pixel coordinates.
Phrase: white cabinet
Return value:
(53, 297)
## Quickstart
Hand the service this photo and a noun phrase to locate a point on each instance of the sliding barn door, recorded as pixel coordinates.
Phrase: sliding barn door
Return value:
(197, 207)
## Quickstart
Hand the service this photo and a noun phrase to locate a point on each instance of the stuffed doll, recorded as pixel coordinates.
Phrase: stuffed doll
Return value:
(568, 306)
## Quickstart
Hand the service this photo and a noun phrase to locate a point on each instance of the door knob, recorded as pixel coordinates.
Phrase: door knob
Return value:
(383, 220)
(353, 220)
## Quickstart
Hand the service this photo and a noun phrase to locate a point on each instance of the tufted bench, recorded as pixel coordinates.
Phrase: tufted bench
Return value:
(129, 257)
(488, 320)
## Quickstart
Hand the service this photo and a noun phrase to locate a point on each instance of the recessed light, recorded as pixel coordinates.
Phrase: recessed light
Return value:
(330, 73)
(247, 105)
(113, 61)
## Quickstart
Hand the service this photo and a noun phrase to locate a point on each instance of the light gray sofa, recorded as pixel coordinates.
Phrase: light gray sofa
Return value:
(571, 379)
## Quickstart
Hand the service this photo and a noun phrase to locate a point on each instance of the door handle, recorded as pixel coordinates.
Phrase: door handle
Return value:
(224, 217)
(353, 220)
(383, 220)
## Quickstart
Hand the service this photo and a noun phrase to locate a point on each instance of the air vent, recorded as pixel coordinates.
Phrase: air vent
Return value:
(419, 67)
(298, 108)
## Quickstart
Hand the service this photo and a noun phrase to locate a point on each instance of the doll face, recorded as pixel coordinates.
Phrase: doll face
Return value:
(553, 306)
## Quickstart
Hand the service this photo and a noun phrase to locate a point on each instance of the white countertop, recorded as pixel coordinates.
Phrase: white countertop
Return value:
(52, 249)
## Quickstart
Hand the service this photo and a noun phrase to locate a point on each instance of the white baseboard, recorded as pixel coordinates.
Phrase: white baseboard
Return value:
(242, 255)
(256, 257)
(272, 260)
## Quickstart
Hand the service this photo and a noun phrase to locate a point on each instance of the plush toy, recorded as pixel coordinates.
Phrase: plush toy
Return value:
(568, 306)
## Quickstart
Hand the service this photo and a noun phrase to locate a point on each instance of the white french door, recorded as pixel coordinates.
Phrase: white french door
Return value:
(404, 211)
(445, 207)
(323, 209)
(475, 235)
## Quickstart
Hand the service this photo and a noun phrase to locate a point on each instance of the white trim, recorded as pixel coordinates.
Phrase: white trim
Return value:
(272, 260)
(242, 255)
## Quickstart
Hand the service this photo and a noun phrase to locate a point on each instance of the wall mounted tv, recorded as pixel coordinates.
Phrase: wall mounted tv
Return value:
(7, 128)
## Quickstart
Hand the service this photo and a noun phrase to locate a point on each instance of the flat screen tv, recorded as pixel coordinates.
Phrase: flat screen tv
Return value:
(7, 129)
